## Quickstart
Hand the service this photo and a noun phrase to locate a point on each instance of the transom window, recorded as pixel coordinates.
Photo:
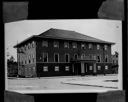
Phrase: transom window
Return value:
(98, 47)
(56, 44)
(56, 68)
(44, 43)
(66, 44)
(66, 57)
(74, 45)
(45, 57)
(56, 57)
(82, 46)
(45, 68)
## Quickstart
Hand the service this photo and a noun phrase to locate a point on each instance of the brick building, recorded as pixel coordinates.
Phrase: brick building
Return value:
(58, 52)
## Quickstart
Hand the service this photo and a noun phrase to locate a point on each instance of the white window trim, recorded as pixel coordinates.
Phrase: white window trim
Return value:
(67, 68)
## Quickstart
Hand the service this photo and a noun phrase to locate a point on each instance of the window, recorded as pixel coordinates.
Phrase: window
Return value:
(66, 68)
(99, 67)
(82, 56)
(98, 47)
(106, 67)
(75, 56)
(90, 46)
(74, 45)
(105, 47)
(45, 68)
(29, 46)
(66, 57)
(94, 57)
(44, 43)
(66, 45)
(56, 68)
(90, 67)
(33, 44)
(106, 58)
(56, 44)
(98, 58)
(56, 57)
(82, 46)
(45, 57)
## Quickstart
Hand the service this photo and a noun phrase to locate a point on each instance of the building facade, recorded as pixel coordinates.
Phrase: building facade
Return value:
(58, 52)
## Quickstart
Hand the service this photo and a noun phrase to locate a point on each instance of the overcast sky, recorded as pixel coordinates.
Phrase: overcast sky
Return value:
(108, 30)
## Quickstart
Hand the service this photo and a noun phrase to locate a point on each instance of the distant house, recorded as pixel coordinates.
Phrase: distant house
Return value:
(58, 52)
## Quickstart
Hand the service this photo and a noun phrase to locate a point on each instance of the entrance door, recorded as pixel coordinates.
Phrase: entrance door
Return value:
(86, 68)
(77, 69)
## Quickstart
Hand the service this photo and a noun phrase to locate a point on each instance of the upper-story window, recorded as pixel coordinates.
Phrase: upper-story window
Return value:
(82, 56)
(66, 44)
(56, 57)
(82, 46)
(106, 58)
(67, 58)
(74, 45)
(90, 46)
(75, 56)
(105, 47)
(56, 44)
(29, 46)
(98, 58)
(44, 43)
(33, 44)
(98, 46)
(45, 57)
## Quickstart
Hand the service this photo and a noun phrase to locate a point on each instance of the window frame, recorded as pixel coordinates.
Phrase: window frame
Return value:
(55, 58)
(74, 45)
(68, 57)
(66, 43)
(46, 68)
(56, 69)
(44, 43)
(56, 43)
(98, 46)
(43, 56)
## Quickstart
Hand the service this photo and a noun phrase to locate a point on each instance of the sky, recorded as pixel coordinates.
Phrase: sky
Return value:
(108, 30)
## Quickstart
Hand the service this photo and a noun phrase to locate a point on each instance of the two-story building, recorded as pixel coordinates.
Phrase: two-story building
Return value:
(58, 52)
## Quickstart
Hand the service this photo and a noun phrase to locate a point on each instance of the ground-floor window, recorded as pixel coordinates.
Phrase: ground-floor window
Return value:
(66, 68)
(99, 67)
(56, 68)
(90, 67)
(106, 67)
(45, 68)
